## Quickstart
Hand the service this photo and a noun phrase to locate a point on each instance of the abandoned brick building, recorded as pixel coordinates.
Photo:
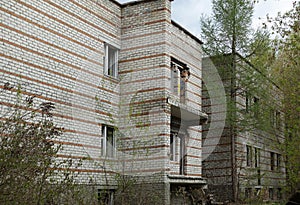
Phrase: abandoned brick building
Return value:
(126, 81)
(245, 162)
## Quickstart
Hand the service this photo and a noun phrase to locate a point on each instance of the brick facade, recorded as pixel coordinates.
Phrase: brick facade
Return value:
(56, 50)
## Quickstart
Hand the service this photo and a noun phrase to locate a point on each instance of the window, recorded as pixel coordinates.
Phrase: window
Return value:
(179, 76)
(173, 147)
(111, 60)
(252, 104)
(257, 156)
(108, 141)
(272, 160)
(106, 196)
(249, 155)
(278, 161)
(258, 177)
(275, 118)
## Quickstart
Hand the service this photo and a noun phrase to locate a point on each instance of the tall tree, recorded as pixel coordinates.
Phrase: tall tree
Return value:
(228, 30)
(227, 34)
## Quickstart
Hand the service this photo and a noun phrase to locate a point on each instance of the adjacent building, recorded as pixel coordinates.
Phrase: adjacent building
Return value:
(246, 162)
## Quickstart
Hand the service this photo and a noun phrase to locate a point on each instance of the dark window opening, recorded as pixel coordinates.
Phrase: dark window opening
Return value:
(272, 160)
(257, 157)
(257, 191)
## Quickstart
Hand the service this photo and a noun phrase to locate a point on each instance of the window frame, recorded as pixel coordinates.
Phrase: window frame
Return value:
(107, 150)
(257, 154)
(106, 61)
(272, 161)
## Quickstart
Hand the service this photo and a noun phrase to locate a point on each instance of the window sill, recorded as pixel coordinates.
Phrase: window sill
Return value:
(108, 158)
(112, 78)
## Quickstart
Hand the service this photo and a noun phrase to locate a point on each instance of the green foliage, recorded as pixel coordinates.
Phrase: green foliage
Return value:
(228, 30)
(286, 72)
(28, 168)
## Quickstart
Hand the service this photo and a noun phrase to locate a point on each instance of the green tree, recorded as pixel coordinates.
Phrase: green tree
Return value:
(286, 72)
(229, 30)
(237, 51)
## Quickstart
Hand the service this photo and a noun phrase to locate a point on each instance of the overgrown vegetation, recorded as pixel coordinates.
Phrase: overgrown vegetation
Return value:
(28, 168)
(285, 71)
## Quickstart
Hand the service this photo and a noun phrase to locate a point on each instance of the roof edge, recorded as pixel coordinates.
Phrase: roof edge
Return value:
(132, 3)
(187, 32)
(116, 2)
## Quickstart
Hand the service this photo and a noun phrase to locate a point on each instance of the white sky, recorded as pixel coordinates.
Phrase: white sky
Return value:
(187, 12)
